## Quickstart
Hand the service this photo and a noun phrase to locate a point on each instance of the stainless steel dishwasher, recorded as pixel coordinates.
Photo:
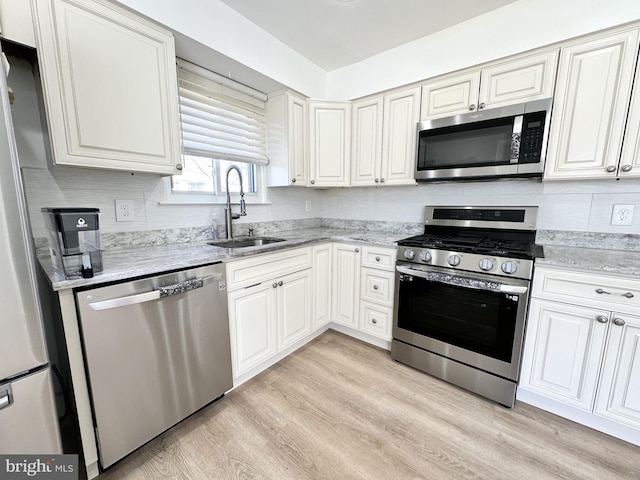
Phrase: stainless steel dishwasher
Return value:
(156, 350)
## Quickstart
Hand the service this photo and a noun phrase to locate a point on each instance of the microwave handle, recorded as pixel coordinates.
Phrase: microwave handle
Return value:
(516, 137)
(479, 285)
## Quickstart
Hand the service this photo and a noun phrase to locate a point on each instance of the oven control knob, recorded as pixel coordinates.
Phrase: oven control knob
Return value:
(425, 256)
(485, 264)
(453, 260)
(509, 267)
(409, 254)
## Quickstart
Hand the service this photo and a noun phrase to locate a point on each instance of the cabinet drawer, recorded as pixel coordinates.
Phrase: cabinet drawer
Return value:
(376, 320)
(379, 257)
(586, 288)
(377, 286)
(253, 270)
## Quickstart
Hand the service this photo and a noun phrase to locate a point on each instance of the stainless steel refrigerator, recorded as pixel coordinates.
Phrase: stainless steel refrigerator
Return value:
(28, 418)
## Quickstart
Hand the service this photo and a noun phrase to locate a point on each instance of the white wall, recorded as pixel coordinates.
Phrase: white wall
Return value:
(512, 29)
(570, 206)
(222, 29)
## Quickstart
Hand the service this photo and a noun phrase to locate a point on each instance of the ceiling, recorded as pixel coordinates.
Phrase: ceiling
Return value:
(336, 33)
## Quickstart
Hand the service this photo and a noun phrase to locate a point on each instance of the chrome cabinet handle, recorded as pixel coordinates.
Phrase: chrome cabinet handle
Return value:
(481, 106)
(382, 180)
(611, 168)
(626, 168)
(280, 283)
(274, 284)
(293, 180)
(627, 294)
(377, 259)
(375, 287)
(602, 319)
(178, 166)
(374, 321)
(618, 321)
(357, 250)
(313, 182)
(600, 291)
(6, 396)
(377, 180)
(472, 107)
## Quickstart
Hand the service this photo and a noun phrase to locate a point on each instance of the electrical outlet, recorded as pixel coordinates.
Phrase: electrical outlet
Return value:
(124, 210)
(622, 215)
(308, 206)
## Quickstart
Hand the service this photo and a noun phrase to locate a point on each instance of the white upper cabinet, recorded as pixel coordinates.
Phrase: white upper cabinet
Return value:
(629, 165)
(110, 87)
(288, 144)
(16, 22)
(329, 143)
(590, 108)
(521, 80)
(384, 139)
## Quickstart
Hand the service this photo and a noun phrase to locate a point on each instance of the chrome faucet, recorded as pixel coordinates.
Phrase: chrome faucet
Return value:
(228, 214)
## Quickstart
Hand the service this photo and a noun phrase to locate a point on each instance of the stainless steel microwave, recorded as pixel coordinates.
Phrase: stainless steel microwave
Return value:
(509, 141)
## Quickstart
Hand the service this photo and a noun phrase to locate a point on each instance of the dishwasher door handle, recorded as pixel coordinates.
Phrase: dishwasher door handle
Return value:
(161, 292)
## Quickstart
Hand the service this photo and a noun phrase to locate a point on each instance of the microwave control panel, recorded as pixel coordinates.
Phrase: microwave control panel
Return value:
(532, 136)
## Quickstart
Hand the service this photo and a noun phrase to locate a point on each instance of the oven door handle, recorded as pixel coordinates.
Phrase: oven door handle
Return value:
(473, 283)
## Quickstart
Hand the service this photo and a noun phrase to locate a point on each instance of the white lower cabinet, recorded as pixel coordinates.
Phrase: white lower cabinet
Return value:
(346, 284)
(293, 307)
(582, 351)
(321, 297)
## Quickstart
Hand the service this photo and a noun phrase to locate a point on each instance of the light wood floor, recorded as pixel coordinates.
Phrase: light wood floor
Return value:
(342, 409)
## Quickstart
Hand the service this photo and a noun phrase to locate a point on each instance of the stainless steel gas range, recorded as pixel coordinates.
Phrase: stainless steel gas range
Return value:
(462, 291)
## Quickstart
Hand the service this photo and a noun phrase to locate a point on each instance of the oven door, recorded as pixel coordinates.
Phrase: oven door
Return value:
(474, 319)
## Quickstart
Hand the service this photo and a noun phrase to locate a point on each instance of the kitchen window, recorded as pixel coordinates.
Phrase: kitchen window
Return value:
(222, 124)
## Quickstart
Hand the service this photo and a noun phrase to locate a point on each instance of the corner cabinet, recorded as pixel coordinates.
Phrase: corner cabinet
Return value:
(590, 110)
(329, 143)
(110, 87)
(384, 139)
(287, 129)
(582, 350)
(523, 79)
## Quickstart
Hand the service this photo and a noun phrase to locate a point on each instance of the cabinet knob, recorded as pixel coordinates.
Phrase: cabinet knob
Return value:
(357, 250)
(602, 319)
(472, 107)
(618, 321)
(481, 106)
(627, 294)
(382, 180)
(313, 182)
(280, 283)
(611, 168)
(600, 291)
(374, 321)
(179, 166)
(377, 180)
(375, 287)
(293, 180)
(377, 259)
(274, 285)
(626, 168)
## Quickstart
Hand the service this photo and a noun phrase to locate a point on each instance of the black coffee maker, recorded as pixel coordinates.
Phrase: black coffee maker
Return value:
(74, 241)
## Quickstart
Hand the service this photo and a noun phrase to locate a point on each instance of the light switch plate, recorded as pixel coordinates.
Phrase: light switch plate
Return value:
(124, 210)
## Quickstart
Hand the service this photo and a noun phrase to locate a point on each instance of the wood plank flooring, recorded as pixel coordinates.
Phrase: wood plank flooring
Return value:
(341, 409)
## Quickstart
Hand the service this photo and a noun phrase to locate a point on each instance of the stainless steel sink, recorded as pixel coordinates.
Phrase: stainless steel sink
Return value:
(245, 242)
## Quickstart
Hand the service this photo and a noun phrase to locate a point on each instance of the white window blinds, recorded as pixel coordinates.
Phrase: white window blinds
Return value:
(219, 121)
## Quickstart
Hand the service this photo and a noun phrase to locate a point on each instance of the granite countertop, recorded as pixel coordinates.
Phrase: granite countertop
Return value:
(598, 260)
(127, 263)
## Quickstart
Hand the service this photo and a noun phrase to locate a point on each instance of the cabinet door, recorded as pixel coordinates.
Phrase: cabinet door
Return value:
(523, 80)
(590, 107)
(366, 155)
(110, 87)
(286, 115)
(619, 392)
(450, 96)
(346, 284)
(329, 143)
(252, 318)
(563, 352)
(630, 159)
(321, 285)
(294, 308)
(401, 115)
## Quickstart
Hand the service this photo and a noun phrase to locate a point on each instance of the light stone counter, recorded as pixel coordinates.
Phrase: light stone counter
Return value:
(617, 262)
(127, 263)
